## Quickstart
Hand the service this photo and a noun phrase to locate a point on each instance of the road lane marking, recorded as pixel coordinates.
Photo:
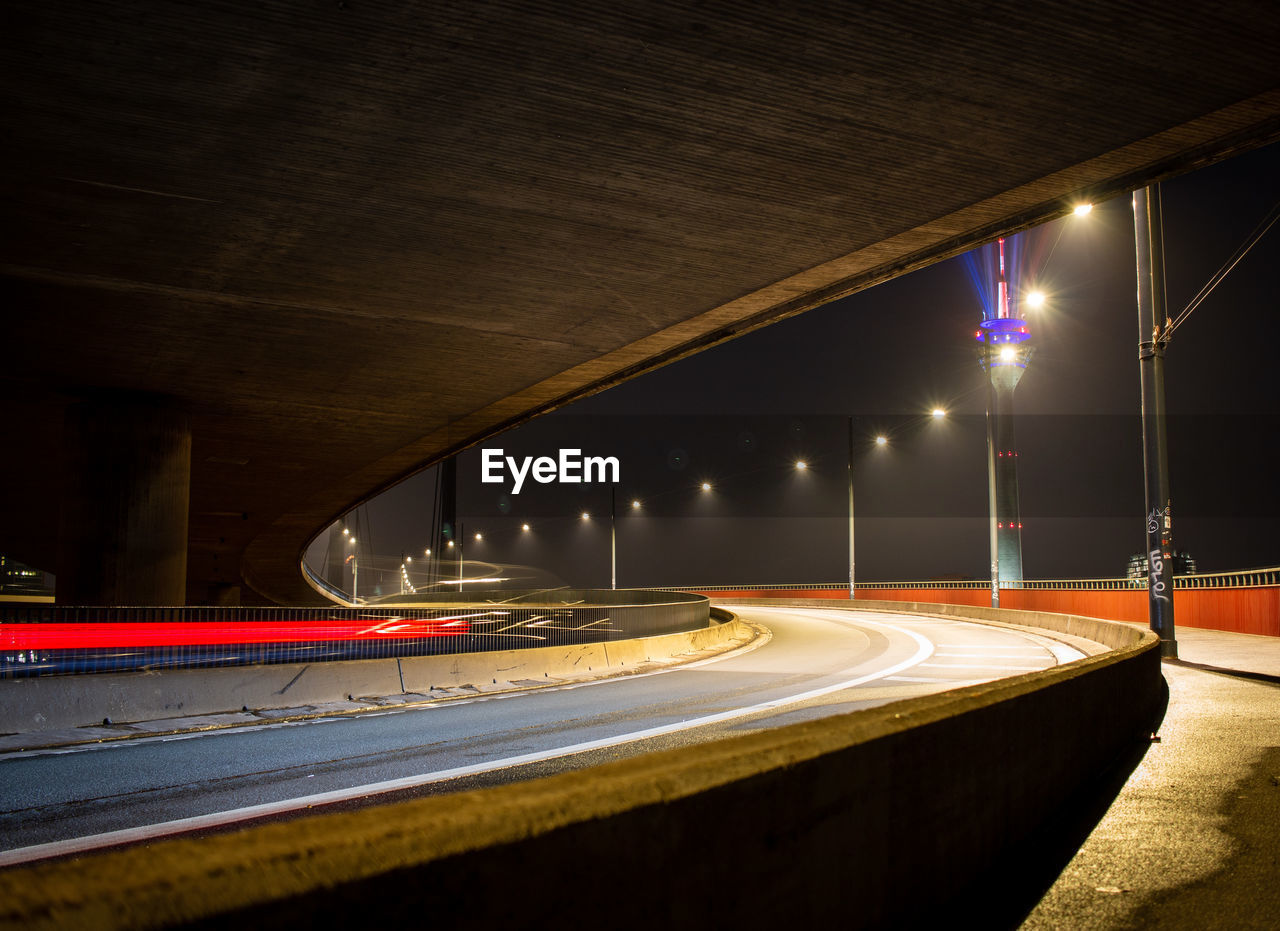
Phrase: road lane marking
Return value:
(934, 680)
(987, 646)
(981, 666)
(924, 649)
(992, 655)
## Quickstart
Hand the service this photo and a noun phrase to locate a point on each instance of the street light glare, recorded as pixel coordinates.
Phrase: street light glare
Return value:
(1008, 353)
(939, 413)
(586, 515)
(1082, 209)
(524, 527)
(346, 532)
(351, 539)
(635, 505)
(427, 552)
(706, 486)
(801, 465)
(1036, 298)
(449, 544)
(479, 538)
(882, 440)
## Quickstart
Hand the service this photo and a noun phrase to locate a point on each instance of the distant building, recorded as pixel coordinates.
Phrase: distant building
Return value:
(17, 579)
(1183, 564)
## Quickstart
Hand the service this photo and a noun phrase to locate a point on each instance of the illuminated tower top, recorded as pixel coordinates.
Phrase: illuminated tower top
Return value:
(1003, 334)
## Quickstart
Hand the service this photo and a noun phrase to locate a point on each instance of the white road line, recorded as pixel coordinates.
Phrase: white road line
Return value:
(991, 655)
(924, 649)
(935, 680)
(932, 681)
(986, 646)
(980, 666)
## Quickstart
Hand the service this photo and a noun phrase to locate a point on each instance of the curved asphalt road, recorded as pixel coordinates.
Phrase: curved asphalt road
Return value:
(817, 662)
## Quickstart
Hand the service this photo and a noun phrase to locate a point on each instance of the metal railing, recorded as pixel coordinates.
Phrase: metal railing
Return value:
(1249, 578)
(55, 640)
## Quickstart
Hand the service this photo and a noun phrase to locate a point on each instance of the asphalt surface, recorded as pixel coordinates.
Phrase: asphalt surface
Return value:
(62, 799)
(1193, 839)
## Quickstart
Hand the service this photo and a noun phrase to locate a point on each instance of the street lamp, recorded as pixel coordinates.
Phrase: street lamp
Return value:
(881, 441)
(355, 569)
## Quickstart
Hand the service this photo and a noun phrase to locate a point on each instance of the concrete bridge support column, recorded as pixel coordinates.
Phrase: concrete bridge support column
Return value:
(122, 535)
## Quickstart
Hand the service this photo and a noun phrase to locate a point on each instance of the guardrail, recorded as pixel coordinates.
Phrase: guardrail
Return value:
(1248, 578)
(56, 640)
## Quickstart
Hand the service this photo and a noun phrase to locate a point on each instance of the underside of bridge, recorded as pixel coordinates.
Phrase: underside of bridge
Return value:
(327, 243)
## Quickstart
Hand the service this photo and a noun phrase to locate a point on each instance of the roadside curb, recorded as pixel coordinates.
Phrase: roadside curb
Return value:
(136, 705)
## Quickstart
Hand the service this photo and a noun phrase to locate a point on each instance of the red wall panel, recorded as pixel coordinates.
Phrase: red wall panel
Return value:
(1242, 610)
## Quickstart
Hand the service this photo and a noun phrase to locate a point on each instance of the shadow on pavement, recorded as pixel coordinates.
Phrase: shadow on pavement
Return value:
(1234, 673)
(1020, 879)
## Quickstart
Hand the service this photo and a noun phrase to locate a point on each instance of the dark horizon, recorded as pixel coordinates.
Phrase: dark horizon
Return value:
(889, 355)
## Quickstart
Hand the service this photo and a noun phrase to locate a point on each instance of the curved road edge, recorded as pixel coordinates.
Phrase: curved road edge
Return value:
(889, 815)
(66, 710)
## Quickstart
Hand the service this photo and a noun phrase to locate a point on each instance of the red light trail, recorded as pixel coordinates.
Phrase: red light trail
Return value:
(61, 636)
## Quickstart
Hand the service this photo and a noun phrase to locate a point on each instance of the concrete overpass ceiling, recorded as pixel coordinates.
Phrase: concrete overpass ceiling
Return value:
(351, 237)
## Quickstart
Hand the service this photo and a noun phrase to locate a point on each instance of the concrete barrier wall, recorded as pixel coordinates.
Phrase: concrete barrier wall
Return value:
(59, 702)
(1246, 610)
(880, 817)
(1114, 636)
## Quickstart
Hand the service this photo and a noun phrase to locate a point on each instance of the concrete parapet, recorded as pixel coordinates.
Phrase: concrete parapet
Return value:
(1070, 627)
(59, 702)
(885, 816)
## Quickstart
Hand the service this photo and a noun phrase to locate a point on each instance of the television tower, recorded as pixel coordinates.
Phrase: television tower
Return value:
(1003, 352)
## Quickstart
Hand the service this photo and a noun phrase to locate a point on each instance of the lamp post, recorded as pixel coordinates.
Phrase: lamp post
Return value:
(852, 593)
(881, 442)
(613, 538)
(355, 569)
(1153, 335)
(461, 537)
(993, 537)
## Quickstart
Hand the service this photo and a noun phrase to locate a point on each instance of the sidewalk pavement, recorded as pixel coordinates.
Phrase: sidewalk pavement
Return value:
(1193, 839)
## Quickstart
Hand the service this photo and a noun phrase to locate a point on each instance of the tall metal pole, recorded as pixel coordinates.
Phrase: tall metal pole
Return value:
(852, 594)
(460, 538)
(613, 537)
(1153, 323)
(992, 534)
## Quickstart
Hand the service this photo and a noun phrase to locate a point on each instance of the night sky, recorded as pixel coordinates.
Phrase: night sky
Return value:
(741, 414)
